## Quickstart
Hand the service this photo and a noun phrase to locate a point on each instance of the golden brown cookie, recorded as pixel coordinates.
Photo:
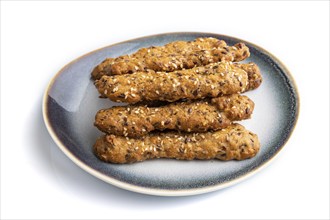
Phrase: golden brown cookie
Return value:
(231, 143)
(177, 55)
(209, 81)
(191, 116)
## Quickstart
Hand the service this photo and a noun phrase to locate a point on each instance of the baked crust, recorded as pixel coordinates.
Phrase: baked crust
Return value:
(209, 81)
(190, 116)
(231, 143)
(177, 55)
(254, 75)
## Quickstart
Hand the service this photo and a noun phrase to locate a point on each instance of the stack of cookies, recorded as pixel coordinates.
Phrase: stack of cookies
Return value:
(183, 101)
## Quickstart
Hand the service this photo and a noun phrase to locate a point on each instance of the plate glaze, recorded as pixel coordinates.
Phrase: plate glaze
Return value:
(71, 102)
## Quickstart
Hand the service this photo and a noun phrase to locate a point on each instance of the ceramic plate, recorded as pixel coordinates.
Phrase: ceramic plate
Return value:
(71, 102)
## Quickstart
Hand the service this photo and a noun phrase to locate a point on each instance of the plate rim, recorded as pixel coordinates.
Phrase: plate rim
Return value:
(155, 191)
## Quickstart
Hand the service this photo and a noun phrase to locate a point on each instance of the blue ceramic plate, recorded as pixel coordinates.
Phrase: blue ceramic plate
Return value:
(71, 102)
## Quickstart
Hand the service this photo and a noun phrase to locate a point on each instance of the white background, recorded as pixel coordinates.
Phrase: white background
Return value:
(37, 38)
